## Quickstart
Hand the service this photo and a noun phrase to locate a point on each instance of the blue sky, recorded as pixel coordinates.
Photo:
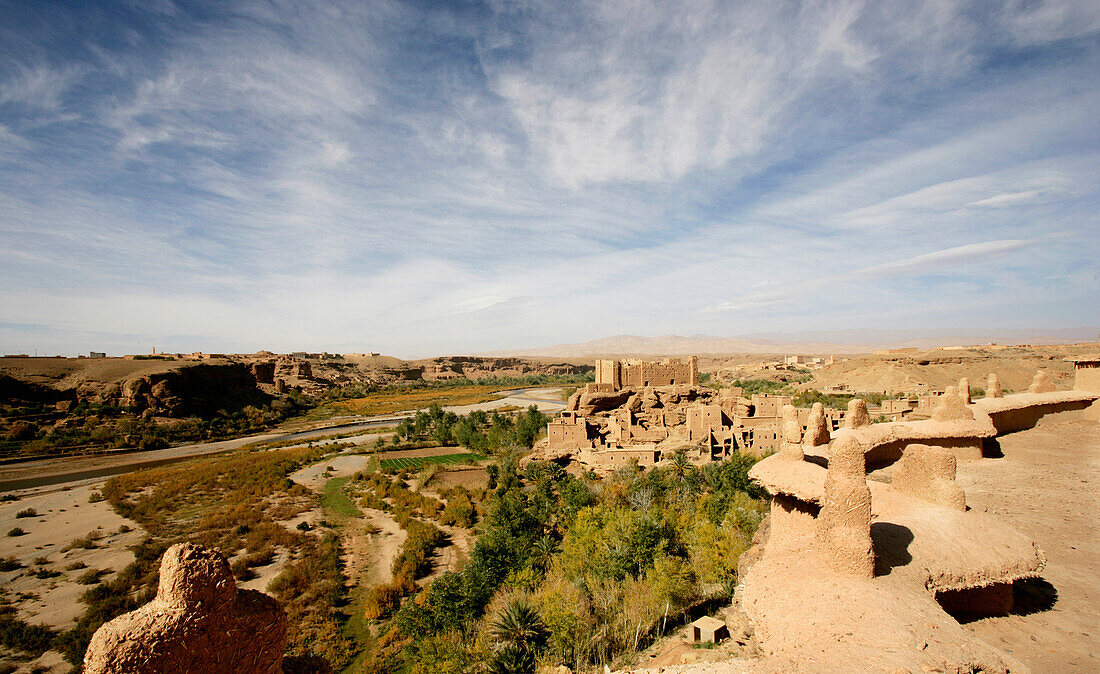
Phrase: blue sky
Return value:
(421, 178)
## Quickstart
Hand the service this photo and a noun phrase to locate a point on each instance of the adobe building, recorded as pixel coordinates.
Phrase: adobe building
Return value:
(1086, 373)
(569, 431)
(613, 375)
(767, 405)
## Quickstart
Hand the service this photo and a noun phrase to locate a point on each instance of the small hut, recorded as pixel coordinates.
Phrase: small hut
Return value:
(707, 629)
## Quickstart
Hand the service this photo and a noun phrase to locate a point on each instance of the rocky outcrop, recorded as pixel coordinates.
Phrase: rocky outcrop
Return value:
(198, 622)
(477, 367)
(591, 403)
(200, 390)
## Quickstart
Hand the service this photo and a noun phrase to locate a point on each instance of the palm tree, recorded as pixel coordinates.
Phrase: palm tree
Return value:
(680, 465)
(519, 625)
(512, 660)
(542, 552)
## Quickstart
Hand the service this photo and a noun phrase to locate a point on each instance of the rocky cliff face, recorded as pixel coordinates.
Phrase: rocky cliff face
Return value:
(200, 390)
(473, 367)
(171, 389)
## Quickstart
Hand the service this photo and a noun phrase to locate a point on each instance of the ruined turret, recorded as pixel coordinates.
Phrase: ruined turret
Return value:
(993, 387)
(1041, 383)
(951, 407)
(928, 473)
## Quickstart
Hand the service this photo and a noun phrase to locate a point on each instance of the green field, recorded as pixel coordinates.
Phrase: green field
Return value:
(418, 461)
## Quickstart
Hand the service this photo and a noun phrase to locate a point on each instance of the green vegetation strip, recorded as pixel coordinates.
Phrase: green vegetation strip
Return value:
(335, 499)
(418, 461)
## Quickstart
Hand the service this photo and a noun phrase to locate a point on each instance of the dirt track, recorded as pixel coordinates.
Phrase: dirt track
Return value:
(1047, 486)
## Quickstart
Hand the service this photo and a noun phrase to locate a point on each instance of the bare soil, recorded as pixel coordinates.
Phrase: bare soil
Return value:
(62, 516)
(1047, 486)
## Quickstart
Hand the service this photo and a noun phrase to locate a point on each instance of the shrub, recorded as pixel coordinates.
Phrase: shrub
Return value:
(382, 600)
(28, 512)
(240, 570)
(16, 531)
(87, 542)
(18, 635)
(90, 577)
(10, 564)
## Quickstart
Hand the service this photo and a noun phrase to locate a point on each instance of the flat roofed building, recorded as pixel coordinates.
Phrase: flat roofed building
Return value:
(709, 630)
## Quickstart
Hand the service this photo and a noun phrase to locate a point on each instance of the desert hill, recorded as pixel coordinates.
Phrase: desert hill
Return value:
(941, 368)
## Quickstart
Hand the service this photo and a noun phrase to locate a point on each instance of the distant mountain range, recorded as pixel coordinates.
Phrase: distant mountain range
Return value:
(845, 341)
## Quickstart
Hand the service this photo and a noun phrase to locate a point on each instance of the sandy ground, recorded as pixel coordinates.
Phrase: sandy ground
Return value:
(545, 399)
(265, 574)
(1047, 486)
(63, 515)
(471, 477)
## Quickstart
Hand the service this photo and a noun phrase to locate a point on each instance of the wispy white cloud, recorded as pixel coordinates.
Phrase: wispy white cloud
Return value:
(424, 179)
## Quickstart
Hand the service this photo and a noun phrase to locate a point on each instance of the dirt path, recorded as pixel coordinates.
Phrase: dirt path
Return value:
(1047, 485)
(371, 555)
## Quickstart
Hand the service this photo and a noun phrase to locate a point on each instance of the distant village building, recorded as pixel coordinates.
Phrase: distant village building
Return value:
(1086, 374)
(97, 354)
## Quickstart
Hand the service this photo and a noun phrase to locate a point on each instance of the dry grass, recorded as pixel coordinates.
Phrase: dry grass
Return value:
(388, 402)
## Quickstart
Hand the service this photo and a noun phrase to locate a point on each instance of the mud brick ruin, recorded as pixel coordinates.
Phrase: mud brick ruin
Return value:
(640, 411)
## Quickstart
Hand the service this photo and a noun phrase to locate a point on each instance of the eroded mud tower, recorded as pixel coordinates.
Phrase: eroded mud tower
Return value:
(993, 387)
(964, 390)
(857, 415)
(1041, 383)
(952, 407)
(817, 431)
(198, 622)
(792, 434)
(844, 524)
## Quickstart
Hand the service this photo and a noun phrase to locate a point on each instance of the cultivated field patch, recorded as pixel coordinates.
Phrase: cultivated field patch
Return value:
(418, 461)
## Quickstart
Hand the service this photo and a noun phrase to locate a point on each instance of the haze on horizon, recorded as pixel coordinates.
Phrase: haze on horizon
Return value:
(422, 178)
